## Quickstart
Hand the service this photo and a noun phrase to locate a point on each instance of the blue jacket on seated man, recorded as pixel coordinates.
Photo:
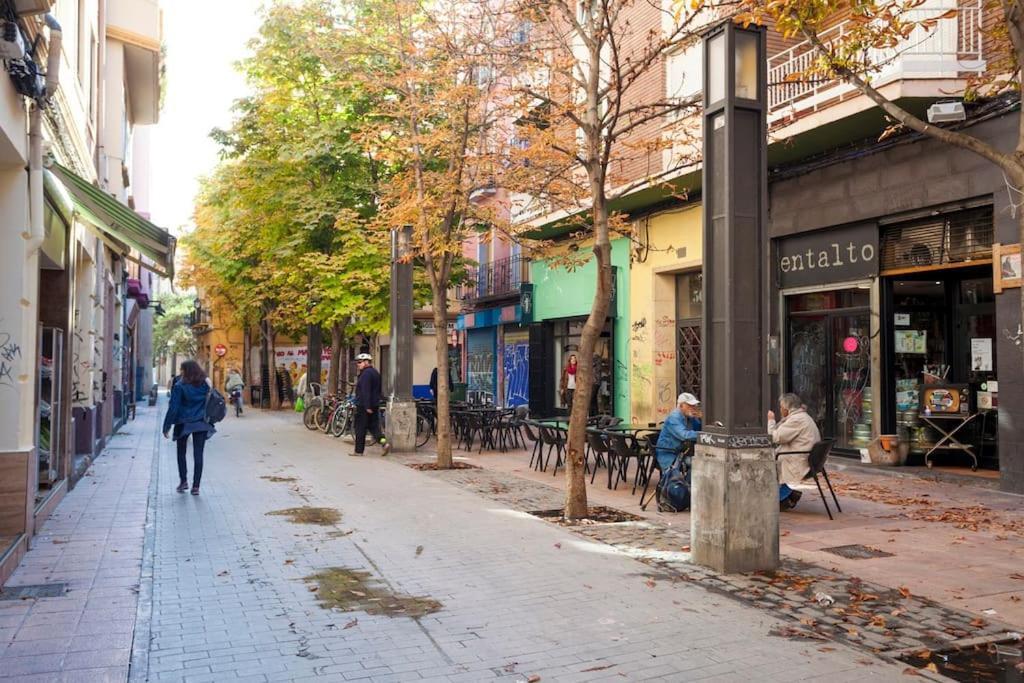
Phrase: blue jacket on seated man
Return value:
(681, 427)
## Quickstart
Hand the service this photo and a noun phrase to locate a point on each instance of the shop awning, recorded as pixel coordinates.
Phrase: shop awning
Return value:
(119, 222)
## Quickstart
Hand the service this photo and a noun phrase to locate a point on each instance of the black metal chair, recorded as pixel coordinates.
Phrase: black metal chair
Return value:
(554, 439)
(816, 459)
(622, 448)
(597, 446)
(538, 443)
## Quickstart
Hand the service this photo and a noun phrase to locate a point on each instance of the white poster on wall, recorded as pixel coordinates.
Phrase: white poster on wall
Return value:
(981, 354)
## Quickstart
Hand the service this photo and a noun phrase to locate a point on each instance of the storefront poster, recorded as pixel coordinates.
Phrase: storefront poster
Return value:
(911, 341)
(981, 355)
(293, 359)
(902, 319)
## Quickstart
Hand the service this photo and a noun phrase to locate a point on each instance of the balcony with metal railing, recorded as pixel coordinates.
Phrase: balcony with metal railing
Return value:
(496, 280)
(951, 50)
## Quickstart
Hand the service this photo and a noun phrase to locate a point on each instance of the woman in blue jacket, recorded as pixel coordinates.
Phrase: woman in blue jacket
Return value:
(187, 414)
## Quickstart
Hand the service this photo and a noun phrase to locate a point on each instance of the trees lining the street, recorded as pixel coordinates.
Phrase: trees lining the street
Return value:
(433, 77)
(283, 230)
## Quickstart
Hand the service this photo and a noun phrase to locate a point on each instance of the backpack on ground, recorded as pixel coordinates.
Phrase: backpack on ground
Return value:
(216, 407)
(673, 494)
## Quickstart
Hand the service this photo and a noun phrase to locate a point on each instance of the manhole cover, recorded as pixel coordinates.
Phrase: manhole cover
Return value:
(42, 590)
(856, 552)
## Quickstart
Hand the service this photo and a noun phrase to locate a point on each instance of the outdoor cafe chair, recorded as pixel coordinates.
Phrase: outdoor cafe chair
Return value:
(538, 444)
(622, 449)
(816, 459)
(554, 439)
(597, 446)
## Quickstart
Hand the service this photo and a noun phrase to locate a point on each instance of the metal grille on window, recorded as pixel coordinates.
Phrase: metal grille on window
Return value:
(689, 346)
(950, 239)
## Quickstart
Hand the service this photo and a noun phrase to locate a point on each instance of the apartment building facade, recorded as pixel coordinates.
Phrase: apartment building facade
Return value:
(918, 304)
(79, 257)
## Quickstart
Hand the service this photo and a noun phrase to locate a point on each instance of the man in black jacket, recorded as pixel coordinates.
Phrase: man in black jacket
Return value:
(368, 404)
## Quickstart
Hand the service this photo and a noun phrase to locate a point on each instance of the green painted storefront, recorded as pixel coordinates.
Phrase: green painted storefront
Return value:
(561, 298)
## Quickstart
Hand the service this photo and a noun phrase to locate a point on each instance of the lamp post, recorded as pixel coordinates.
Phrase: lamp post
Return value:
(735, 508)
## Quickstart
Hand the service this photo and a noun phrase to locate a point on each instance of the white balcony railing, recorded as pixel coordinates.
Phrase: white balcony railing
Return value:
(950, 50)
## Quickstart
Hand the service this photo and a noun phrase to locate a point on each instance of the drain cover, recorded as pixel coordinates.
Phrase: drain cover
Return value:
(42, 590)
(856, 552)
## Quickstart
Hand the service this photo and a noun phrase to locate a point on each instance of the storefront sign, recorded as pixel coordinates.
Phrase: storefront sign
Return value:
(837, 255)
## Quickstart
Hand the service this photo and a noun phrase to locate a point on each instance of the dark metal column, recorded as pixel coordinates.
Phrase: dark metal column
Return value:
(401, 314)
(734, 515)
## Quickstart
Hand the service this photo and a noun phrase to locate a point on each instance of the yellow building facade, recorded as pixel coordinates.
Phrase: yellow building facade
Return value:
(665, 311)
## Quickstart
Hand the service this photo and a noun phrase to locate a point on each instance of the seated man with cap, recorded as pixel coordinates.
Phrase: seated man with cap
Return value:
(681, 427)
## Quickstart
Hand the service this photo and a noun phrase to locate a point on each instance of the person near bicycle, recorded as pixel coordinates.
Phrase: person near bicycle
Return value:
(234, 386)
(368, 405)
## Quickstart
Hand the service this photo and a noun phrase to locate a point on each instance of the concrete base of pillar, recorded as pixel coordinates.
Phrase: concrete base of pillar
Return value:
(401, 426)
(734, 509)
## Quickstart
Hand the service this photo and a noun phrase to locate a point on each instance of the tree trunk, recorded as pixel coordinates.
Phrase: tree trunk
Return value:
(246, 357)
(314, 349)
(444, 435)
(275, 397)
(576, 482)
(336, 359)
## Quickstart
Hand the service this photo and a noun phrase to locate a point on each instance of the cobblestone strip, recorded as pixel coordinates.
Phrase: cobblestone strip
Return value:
(864, 615)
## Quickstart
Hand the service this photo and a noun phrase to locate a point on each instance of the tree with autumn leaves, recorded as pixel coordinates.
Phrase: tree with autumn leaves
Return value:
(284, 227)
(582, 85)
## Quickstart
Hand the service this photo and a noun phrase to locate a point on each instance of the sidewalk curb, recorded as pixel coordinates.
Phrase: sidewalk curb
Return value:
(138, 665)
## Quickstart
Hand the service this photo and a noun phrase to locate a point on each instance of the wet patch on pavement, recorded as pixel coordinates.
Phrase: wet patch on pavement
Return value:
(310, 515)
(350, 590)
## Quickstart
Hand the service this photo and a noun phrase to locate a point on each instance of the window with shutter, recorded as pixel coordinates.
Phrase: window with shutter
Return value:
(943, 240)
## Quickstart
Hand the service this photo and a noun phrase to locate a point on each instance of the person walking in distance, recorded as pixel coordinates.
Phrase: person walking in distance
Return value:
(187, 415)
(368, 404)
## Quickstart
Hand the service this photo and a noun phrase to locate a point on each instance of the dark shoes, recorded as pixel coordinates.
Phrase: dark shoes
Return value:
(356, 455)
(195, 490)
(387, 448)
(791, 500)
(182, 487)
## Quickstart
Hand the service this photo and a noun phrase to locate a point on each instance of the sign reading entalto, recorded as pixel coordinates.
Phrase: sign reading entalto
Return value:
(836, 255)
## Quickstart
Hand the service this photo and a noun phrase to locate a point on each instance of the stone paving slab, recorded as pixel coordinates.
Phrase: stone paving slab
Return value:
(519, 597)
(863, 614)
(93, 542)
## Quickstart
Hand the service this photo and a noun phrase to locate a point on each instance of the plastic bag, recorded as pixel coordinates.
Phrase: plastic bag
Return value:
(300, 405)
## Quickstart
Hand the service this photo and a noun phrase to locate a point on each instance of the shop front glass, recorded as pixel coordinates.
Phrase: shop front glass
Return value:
(567, 336)
(944, 331)
(830, 362)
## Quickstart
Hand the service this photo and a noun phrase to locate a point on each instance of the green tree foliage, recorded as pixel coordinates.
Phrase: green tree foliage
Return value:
(282, 230)
(172, 333)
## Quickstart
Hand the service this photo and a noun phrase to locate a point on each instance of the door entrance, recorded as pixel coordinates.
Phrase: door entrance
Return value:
(829, 353)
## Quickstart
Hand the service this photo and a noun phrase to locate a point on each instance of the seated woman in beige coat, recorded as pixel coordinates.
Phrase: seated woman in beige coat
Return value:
(796, 431)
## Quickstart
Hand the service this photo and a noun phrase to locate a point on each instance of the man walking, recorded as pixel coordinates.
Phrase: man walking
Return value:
(368, 404)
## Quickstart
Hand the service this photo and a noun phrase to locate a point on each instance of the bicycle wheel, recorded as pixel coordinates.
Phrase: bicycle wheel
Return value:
(422, 431)
(323, 419)
(339, 421)
(309, 417)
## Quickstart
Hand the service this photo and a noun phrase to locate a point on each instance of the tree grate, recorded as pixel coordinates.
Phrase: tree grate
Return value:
(856, 552)
(42, 590)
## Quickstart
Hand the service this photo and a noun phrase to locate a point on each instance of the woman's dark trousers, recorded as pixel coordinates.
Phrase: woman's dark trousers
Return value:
(198, 443)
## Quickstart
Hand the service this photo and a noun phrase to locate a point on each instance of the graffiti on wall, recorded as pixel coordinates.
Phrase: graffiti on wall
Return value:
(481, 372)
(516, 364)
(10, 352)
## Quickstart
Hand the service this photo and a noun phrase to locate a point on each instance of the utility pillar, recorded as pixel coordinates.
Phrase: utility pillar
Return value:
(401, 418)
(735, 502)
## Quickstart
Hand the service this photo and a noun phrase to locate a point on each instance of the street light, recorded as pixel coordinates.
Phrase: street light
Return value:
(735, 512)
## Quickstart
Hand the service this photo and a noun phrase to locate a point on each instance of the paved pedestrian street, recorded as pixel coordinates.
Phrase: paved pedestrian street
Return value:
(421, 576)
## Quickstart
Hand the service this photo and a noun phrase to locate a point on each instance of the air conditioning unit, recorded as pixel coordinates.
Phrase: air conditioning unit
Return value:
(12, 45)
(26, 8)
(946, 112)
